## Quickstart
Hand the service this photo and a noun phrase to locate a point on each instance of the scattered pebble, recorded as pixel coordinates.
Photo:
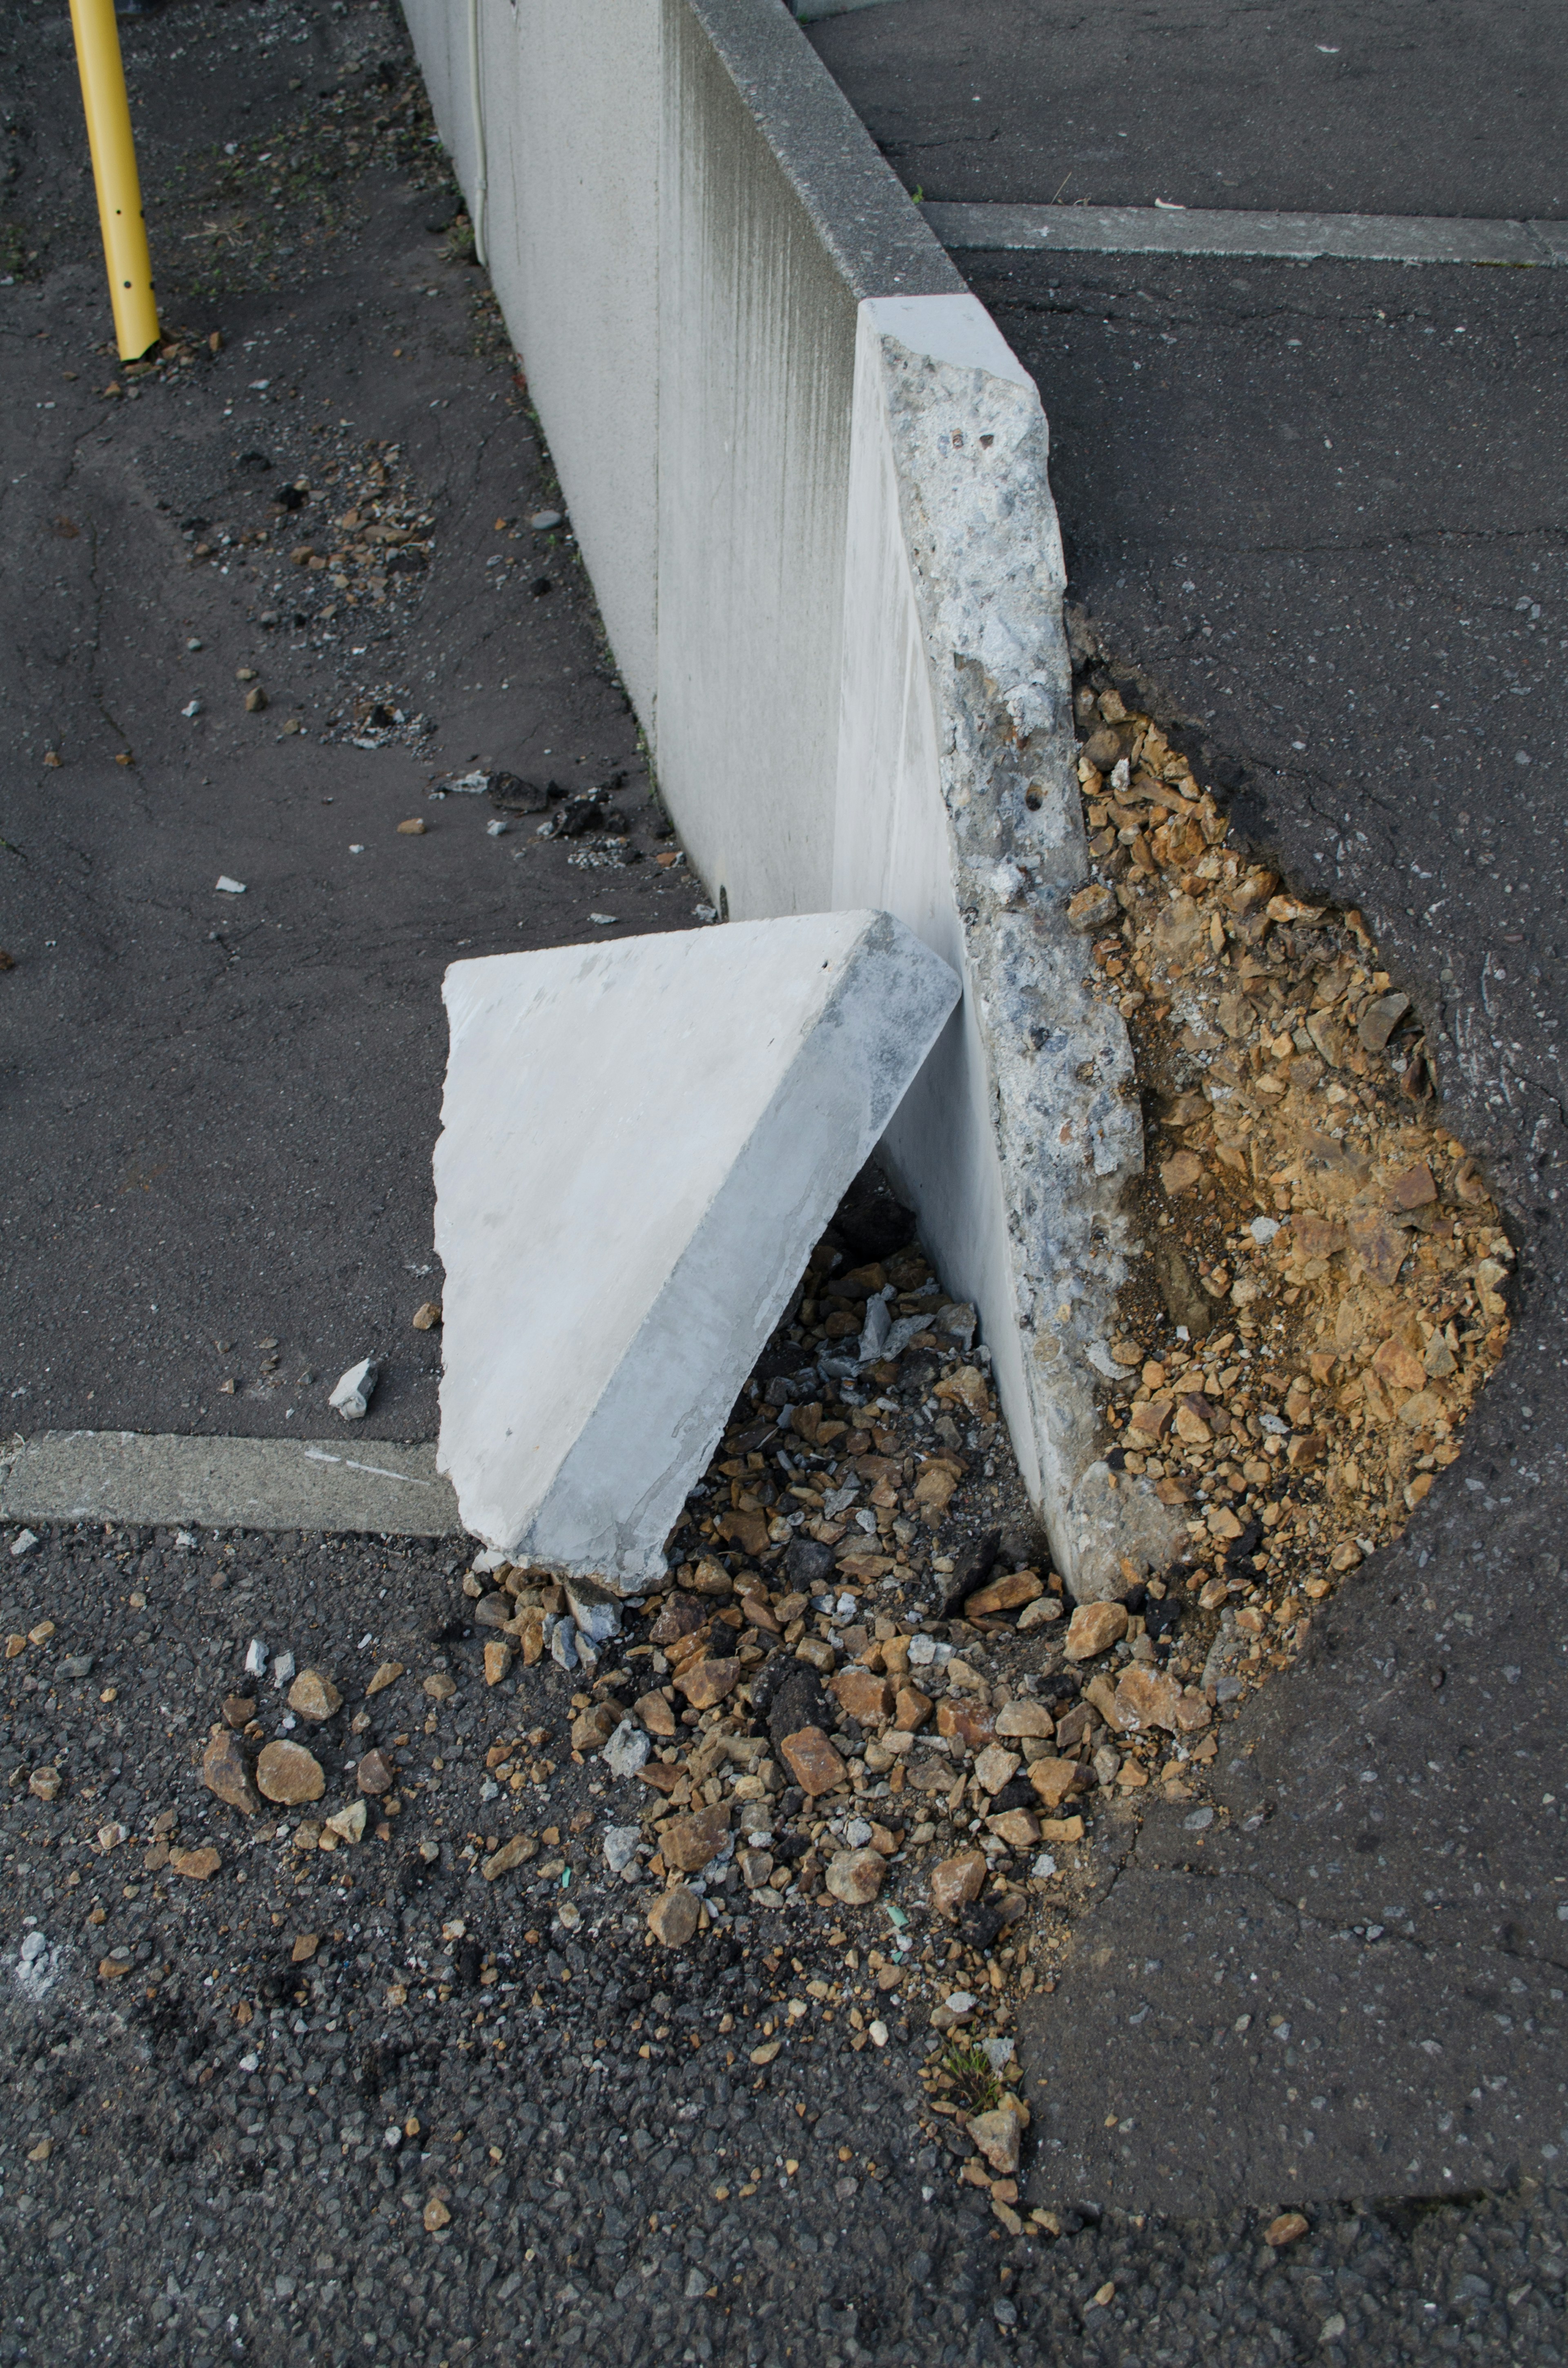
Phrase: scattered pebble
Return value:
(287, 1772)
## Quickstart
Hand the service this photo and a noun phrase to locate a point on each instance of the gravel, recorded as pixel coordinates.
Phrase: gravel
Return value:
(235, 2146)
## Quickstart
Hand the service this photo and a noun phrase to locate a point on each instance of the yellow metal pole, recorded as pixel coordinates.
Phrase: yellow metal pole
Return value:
(114, 173)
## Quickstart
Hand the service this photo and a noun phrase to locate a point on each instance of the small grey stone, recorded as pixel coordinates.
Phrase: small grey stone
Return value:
(564, 1645)
(621, 1846)
(627, 1749)
(596, 1611)
(874, 1332)
(355, 1389)
(807, 1564)
(79, 1665)
(1195, 1820)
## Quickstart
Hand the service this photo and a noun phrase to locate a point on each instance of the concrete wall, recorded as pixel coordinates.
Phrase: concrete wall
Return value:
(571, 106)
(808, 480)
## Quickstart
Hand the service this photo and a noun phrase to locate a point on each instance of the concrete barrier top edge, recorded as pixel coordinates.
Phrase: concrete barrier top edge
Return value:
(864, 216)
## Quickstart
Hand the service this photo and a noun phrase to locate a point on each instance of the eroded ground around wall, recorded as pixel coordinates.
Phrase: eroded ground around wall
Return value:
(1313, 527)
(385, 1855)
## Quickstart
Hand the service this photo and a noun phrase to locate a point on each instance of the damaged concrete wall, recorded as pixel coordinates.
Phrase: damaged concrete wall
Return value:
(957, 807)
(808, 480)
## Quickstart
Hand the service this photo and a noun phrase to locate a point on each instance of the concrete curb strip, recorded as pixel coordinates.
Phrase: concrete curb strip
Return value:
(160, 1481)
(1302, 238)
(749, 455)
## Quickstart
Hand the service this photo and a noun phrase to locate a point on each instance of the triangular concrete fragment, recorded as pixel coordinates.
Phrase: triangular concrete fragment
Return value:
(641, 1144)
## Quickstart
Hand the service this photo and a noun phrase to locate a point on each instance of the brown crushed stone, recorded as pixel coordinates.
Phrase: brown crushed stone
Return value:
(1324, 1243)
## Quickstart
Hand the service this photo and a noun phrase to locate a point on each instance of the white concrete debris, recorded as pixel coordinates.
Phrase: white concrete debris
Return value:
(642, 1142)
(356, 1389)
(621, 1846)
(24, 1541)
(256, 1658)
(282, 1671)
(228, 887)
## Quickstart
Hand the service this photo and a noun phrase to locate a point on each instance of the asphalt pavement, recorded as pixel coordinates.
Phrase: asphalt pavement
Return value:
(220, 1108)
(1314, 518)
(1421, 106)
(220, 1105)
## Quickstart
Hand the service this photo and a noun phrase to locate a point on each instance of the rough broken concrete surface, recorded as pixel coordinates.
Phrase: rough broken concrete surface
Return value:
(970, 447)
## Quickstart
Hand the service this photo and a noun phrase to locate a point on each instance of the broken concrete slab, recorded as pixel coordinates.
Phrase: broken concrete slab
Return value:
(641, 1144)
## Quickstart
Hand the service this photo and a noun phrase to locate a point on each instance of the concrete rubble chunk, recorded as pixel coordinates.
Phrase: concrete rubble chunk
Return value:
(673, 1918)
(289, 1773)
(855, 1876)
(595, 1612)
(641, 1144)
(355, 1389)
(226, 1770)
(621, 1846)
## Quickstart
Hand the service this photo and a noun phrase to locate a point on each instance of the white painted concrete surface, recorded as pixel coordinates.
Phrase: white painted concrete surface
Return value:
(843, 634)
(570, 99)
(641, 1145)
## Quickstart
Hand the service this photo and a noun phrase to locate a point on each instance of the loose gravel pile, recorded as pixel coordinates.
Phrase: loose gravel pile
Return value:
(1320, 1293)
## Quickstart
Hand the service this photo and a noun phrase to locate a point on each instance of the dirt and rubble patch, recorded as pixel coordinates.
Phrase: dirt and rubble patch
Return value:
(1322, 1290)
